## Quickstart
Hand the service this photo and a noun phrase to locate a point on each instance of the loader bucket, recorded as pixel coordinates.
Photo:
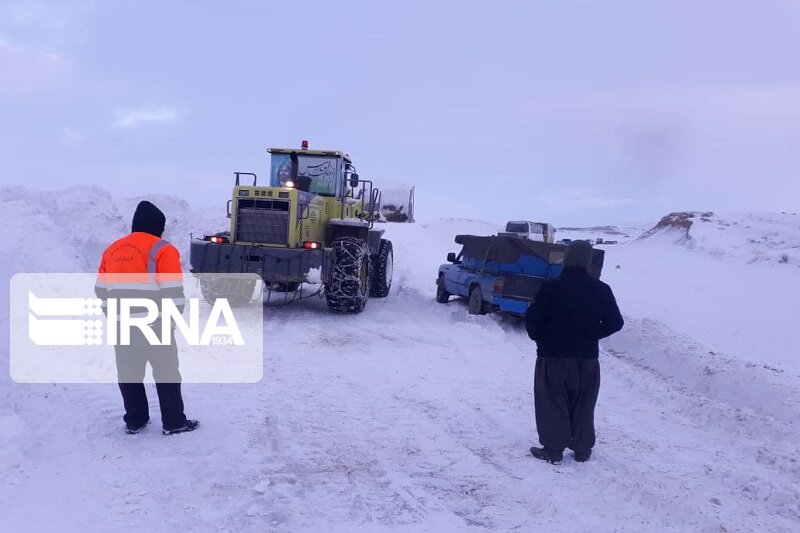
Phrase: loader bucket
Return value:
(397, 204)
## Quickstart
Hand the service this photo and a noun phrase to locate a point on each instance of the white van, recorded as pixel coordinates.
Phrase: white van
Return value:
(534, 231)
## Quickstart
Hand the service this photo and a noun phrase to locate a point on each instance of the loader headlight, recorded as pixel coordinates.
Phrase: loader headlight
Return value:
(289, 184)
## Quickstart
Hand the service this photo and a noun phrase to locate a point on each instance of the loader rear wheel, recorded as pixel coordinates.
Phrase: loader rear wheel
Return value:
(347, 288)
(476, 306)
(442, 296)
(381, 267)
(238, 292)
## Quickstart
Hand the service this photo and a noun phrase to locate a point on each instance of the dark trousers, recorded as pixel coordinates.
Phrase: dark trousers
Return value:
(131, 364)
(565, 393)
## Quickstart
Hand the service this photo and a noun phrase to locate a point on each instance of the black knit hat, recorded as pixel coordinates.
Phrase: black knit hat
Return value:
(148, 219)
(578, 254)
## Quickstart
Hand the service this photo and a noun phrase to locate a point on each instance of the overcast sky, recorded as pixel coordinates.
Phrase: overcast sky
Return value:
(566, 111)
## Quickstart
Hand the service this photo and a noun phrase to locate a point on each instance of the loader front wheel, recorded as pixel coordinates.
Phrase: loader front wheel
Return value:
(347, 287)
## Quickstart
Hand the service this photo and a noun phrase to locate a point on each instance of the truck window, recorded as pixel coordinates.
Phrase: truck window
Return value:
(517, 227)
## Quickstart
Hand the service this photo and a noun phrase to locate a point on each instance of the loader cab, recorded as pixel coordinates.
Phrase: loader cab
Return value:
(321, 172)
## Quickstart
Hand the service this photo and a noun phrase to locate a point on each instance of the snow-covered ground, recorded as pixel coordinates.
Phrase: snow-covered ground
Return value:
(416, 416)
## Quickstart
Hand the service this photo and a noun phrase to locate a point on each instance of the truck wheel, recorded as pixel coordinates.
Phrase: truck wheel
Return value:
(347, 288)
(238, 293)
(381, 267)
(476, 306)
(442, 296)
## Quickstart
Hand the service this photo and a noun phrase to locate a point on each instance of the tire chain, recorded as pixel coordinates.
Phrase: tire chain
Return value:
(347, 252)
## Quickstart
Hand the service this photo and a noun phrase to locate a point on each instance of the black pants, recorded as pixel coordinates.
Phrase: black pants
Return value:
(565, 393)
(131, 364)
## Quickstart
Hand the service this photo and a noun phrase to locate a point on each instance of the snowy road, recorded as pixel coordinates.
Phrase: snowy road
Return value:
(416, 416)
(412, 415)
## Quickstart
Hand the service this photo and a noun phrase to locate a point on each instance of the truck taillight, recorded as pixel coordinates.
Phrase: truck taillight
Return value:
(217, 239)
(311, 245)
(498, 285)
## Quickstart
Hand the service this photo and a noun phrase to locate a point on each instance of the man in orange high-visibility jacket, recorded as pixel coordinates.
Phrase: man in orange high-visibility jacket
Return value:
(143, 265)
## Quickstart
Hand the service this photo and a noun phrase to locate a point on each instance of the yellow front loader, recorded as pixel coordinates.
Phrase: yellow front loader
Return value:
(315, 213)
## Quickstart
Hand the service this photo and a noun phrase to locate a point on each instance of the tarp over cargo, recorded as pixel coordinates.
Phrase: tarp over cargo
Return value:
(508, 249)
(498, 251)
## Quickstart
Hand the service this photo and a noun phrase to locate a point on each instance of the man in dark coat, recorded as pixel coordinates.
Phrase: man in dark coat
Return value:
(567, 318)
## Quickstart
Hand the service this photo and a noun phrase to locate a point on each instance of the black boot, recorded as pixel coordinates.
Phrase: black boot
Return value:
(133, 430)
(551, 456)
(582, 457)
(189, 425)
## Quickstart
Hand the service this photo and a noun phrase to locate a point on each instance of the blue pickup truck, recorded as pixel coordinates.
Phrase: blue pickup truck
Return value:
(501, 273)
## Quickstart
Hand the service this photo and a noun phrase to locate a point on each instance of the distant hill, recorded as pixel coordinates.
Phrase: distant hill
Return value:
(752, 237)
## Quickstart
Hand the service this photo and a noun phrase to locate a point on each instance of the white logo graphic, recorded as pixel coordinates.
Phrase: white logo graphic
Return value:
(70, 328)
(64, 331)
(61, 333)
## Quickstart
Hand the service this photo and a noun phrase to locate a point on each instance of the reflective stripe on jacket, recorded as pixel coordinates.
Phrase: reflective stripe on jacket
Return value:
(141, 265)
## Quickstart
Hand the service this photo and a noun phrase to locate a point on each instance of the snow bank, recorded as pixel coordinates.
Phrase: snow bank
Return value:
(67, 230)
(732, 305)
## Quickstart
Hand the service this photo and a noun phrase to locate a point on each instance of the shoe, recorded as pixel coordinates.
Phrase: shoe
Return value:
(131, 430)
(582, 457)
(554, 458)
(189, 425)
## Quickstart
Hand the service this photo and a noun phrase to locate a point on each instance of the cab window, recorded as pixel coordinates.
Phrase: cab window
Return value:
(324, 172)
